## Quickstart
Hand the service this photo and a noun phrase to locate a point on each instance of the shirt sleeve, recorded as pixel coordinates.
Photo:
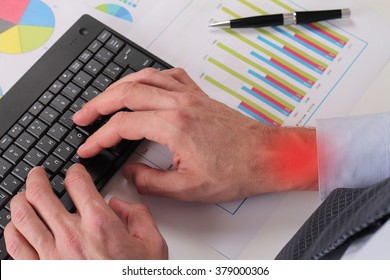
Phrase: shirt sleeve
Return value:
(353, 152)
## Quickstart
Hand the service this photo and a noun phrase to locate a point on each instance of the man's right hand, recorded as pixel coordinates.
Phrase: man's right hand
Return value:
(219, 154)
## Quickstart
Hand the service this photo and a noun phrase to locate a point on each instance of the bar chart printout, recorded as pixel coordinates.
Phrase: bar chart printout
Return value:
(278, 75)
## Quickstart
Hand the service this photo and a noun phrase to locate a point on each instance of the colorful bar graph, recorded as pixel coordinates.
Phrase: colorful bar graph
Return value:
(294, 90)
(269, 101)
(285, 69)
(247, 105)
(324, 33)
(297, 56)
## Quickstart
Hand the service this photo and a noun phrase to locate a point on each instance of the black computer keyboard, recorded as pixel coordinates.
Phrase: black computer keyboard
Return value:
(36, 126)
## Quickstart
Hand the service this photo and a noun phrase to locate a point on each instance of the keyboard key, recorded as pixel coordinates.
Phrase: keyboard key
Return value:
(66, 119)
(66, 77)
(104, 56)
(58, 131)
(15, 130)
(60, 103)
(26, 141)
(102, 82)
(11, 184)
(95, 46)
(93, 67)
(113, 71)
(76, 66)
(90, 93)
(58, 185)
(5, 167)
(82, 79)
(3, 252)
(56, 87)
(64, 151)
(4, 197)
(5, 142)
(21, 170)
(5, 217)
(49, 115)
(37, 128)
(13, 154)
(76, 138)
(104, 36)
(127, 72)
(34, 157)
(114, 44)
(78, 104)
(36, 108)
(85, 56)
(67, 202)
(26, 119)
(100, 164)
(71, 91)
(131, 57)
(53, 164)
(46, 144)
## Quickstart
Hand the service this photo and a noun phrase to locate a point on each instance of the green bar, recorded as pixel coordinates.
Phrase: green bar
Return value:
(334, 33)
(253, 7)
(285, 6)
(262, 69)
(261, 30)
(267, 52)
(250, 82)
(243, 99)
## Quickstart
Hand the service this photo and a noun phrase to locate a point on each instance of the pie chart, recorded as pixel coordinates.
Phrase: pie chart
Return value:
(116, 11)
(24, 25)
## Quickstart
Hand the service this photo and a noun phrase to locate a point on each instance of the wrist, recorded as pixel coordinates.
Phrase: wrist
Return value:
(289, 160)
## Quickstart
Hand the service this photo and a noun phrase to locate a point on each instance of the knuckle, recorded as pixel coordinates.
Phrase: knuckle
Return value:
(20, 215)
(179, 71)
(74, 178)
(149, 71)
(34, 191)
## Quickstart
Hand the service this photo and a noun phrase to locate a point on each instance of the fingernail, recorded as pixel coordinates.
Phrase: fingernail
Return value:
(108, 197)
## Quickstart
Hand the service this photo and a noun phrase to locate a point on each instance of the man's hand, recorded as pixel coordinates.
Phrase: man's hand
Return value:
(41, 228)
(219, 154)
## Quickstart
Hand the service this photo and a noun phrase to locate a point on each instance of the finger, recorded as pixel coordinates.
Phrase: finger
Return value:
(130, 95)
(153, 78)
(82, 189)
(40, 195)
(130, 126)
(135, 216)
(155, 182)
(182, 76)
(27, 222)
(18, 246)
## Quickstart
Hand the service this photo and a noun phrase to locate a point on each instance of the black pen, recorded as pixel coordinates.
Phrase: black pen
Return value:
(283, 19)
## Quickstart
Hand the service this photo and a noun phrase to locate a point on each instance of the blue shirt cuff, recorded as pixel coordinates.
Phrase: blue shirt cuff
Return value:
(353, 152)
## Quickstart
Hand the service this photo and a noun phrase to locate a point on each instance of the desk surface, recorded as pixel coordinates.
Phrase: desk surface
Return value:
(296, 207)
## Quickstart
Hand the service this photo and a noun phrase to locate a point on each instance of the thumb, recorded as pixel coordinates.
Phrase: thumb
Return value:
(156, 182)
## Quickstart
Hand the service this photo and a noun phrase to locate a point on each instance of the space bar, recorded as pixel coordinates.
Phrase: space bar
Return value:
(100, 164)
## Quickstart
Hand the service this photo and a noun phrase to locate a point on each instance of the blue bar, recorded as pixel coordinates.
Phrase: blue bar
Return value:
(253, 73)
(303, 43)
(281, 69)
(254, 94)
(322, 35)
(269, 43)
(249, 112)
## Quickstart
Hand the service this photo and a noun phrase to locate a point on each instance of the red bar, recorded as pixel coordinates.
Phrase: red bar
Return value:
(292, 71)
(283, 86)
(315, 46)
(319, 67)
(327, 34)
(271, 121)
(284, 108)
